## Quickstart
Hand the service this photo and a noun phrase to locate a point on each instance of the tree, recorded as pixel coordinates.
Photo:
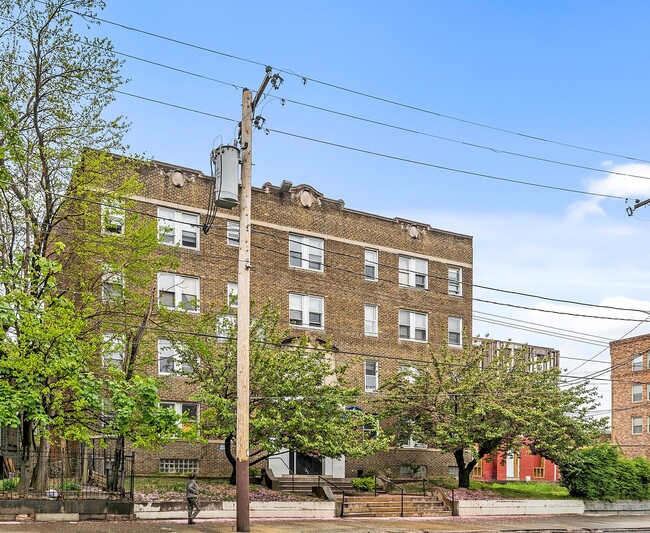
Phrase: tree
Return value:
(471, 405)
(57, 184)
(298, 396)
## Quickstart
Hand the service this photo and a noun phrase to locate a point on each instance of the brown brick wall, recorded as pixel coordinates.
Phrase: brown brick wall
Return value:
(346, 234)
(623, 408)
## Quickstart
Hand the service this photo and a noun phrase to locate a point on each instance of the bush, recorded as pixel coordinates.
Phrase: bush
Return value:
(365, 484)
(7, 485)
(69, 484)
(603, 473)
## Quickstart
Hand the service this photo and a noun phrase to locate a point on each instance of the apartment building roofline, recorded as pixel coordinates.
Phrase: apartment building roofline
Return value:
(415, 228)
(630, 340)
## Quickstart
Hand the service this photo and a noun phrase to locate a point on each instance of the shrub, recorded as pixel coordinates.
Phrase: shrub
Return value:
(7, 485)
(365, 484)
(603, 473)
(69, 484)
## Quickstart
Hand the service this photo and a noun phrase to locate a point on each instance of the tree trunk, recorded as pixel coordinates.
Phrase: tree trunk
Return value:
(114, 477)
(231, 459)
(41, 472)
(26, 457)
(464, 470)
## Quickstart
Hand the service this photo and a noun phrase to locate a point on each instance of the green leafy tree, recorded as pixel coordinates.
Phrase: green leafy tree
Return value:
(59, 185)
(471, 405)
(298, 396)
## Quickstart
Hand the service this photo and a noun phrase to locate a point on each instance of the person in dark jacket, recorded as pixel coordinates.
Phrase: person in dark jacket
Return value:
(192, 495)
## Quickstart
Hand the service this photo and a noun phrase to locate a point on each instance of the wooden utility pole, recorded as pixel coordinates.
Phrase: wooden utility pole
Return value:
(243, 307)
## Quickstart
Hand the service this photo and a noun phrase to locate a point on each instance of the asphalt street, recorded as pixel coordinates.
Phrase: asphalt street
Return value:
(638, 523)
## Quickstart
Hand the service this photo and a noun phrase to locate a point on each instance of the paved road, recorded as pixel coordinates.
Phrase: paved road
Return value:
(639, 524)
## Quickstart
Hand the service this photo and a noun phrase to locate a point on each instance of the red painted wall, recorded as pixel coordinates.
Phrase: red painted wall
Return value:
(495, 469)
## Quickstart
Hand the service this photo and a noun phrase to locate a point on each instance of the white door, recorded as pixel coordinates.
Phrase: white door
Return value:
(510, 465)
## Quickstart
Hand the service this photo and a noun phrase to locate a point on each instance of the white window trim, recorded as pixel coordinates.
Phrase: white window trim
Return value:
(178, 409)
(455, 281)
(223, 327)
(637, 425)
(113, 345)
(308, 246)
(412, 443)
(372, 262)
(637, 362)
(116, 215)
(164, 344)
(368, 377)
(232, 233)
(233, 290)
(305, 309)
(411, 325)
(459, 332)
(373, 321)
(177, 289)
(171, 221)
(113, 279)
(637, 392)
(413, 268)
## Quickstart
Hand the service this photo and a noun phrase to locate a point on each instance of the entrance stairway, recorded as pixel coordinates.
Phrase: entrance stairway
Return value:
(390, 505)
(304, 483)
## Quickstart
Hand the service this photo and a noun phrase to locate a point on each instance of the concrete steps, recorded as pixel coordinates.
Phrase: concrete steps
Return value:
(390, 505)
(304, 483)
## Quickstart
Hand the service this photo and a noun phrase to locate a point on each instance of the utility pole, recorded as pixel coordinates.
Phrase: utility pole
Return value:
(637, 204)
(243, 307)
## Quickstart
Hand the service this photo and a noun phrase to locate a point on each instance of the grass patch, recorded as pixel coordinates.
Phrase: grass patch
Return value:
(536, 490)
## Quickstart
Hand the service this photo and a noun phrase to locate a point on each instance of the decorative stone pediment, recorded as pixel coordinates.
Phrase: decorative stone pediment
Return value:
(307, 196)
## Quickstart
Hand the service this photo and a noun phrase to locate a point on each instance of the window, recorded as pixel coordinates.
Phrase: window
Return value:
(232, 295)
(113, 218)
(112, 286)
(637, 362)
(408, 372)
(305, 310)
(226, 327)
(178, 228)
(232, 233)
(455, 280)
(455, 331)
(176, 291)
(187, 410)
(179, 466)
(637, 392)
(370, 429)
(169, 360)
(413, 272)
(412, 443)
(412, 325)
(371, 373)
(306, 252)
(113, 350)
(371, 265)
(370, 316)
(637, 425)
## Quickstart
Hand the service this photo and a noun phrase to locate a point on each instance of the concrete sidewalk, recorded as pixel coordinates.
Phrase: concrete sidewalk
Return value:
(639, 523)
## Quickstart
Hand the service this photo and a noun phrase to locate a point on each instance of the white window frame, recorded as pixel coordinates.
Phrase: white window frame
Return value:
(111, 281)
(637, 392)
(371, 376)
(307, 253)
(180, 408)
(222, 328)
(113, 216)
(177, 365)
(637, 429)
(412, 443)
(413, 272)
(298, 303)
(233, 295)
(371, 320)
(371, 265)
(412, 322)
(172, 224)
(371, 429)
(409, 372)
(113, 350)
(455, 281)
(454, 328)
(637, 362)
(232, 233)
(171, 283)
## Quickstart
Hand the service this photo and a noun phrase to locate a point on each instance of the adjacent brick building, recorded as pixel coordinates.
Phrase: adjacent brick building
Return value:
(380, 288)
(631, 395)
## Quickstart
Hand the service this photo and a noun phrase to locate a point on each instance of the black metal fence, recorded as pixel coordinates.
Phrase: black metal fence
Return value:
(63, 474)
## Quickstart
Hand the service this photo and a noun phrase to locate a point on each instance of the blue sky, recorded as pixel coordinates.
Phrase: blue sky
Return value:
(571, 73)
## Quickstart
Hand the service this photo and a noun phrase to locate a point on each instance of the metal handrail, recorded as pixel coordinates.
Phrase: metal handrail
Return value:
(293, 474)
(337, 487)
(389, 482)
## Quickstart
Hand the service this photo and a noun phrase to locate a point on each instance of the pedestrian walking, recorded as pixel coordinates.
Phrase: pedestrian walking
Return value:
(192, 495)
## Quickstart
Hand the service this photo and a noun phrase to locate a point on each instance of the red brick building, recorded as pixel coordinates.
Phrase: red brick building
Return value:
(631, 395)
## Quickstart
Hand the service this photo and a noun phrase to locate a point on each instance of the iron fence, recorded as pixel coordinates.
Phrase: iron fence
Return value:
(63, 474)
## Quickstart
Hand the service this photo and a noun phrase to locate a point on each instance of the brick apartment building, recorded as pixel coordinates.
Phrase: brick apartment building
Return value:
(376, 286)
(630, 359)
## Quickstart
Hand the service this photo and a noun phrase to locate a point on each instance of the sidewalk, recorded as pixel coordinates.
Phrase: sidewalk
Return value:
(639, 523)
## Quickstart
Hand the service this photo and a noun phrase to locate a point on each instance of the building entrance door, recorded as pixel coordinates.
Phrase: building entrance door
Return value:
(302, 463)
